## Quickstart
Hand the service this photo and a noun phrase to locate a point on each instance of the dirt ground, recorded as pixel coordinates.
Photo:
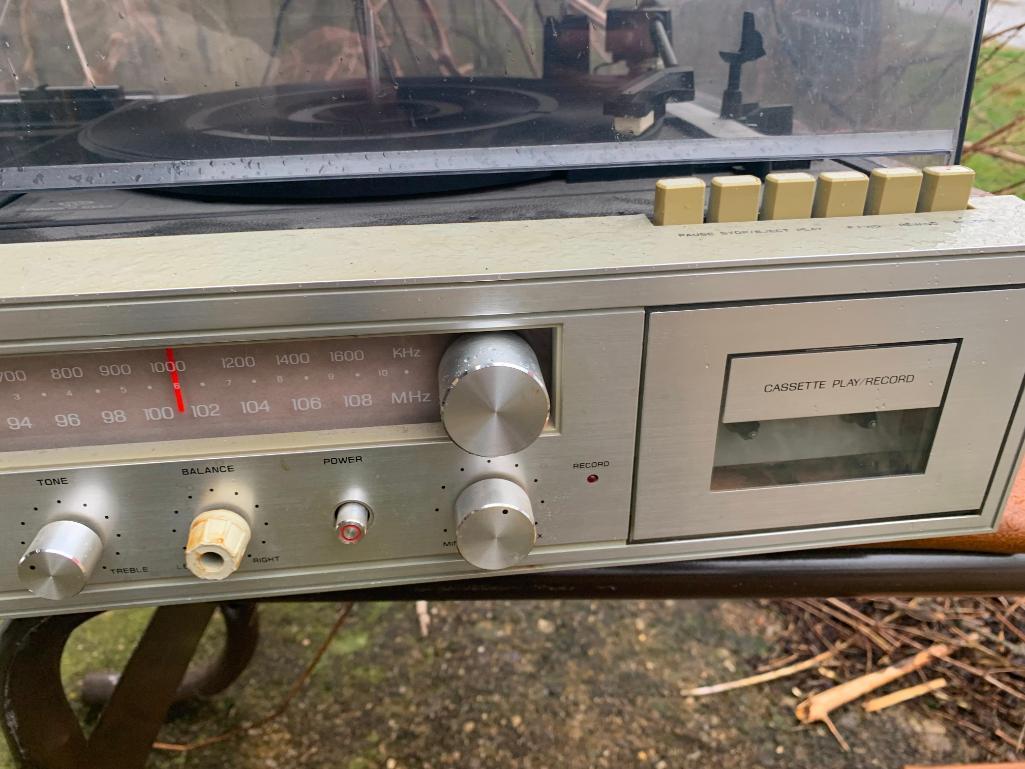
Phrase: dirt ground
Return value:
(527, 684)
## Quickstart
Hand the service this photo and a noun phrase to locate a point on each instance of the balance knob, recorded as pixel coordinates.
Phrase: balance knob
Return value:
(494, 524)
(493, 398)
(217, 543)
(60, 560)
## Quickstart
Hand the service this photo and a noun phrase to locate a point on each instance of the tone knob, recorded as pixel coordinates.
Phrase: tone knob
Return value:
(60, 560)
(493, 398)
(494, 524)
(217, 543)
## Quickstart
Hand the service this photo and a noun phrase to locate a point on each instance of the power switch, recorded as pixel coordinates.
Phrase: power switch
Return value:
(352, 519)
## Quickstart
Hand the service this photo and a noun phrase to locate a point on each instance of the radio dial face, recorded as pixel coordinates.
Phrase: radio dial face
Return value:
(494, 524)
(493, 396)
(217, 390)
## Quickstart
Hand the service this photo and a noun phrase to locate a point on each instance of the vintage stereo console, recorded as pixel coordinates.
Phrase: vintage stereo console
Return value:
(229, 388)
(194, 416)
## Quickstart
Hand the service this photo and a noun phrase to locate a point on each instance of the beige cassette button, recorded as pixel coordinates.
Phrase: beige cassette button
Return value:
(680, 201)
(840, 193)
(893, 191)
(859, 380)
(734, 199)
(788, 196)
(946, 188)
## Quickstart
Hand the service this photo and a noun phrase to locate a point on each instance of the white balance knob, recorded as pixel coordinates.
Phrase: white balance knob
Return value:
(217, 543)
(493, 397)
(60, 560)
(494, 524)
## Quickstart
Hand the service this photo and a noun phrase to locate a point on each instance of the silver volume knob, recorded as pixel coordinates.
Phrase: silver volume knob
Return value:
(494, 524)
(60, 560)
(493, 398)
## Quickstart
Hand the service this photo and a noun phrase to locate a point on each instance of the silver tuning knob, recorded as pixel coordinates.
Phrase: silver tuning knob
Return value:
(60, 560)
(493, 398)
(494, 524)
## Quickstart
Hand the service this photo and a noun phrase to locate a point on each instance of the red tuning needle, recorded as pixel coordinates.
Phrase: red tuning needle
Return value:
(176, 384)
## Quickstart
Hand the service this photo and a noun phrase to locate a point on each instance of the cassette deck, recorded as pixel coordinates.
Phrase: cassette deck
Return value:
(817, 388)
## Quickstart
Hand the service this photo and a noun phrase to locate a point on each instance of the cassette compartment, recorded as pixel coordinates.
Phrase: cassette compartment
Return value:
(824, 413)
(830, 415)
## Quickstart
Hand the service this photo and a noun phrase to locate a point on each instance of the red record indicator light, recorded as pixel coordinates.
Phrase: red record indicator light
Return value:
(592, 478)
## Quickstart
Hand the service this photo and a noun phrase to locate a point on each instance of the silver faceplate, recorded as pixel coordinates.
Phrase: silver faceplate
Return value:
(703, 293)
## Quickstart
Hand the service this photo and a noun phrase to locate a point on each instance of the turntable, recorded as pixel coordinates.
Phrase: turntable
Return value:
(302, 298)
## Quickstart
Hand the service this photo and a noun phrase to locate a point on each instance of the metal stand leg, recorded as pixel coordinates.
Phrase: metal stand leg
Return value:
(40, 727)
(241, 636)
(42, 730)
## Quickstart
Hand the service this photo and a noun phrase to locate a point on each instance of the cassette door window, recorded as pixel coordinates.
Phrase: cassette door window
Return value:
(766, 417)
(787, 417)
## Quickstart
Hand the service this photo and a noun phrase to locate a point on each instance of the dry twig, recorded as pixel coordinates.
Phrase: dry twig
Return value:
(444, 54)
(1006, 128)
(762, 678)
(903, 695)
(1003, 154)
(520, 32)
(820, 705)
(77, 44)
(984, 693)
(1005, 31)
(423, 616)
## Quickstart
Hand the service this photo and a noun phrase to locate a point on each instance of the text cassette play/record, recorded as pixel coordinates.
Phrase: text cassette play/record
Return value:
(810, 384)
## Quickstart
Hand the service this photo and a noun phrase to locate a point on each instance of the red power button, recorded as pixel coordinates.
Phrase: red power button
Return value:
(351, 533)
(351, 522)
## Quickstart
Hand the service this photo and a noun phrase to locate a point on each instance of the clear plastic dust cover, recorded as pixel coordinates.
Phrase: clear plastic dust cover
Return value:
(159, 92)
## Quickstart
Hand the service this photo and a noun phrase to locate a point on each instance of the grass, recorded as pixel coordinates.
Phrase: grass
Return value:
(998, 99)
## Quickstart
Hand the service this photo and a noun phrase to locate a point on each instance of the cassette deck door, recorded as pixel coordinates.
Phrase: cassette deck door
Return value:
(797, 415)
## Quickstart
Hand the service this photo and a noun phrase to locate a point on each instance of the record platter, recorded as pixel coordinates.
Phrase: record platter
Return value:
(423, 114)
(326, 119)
